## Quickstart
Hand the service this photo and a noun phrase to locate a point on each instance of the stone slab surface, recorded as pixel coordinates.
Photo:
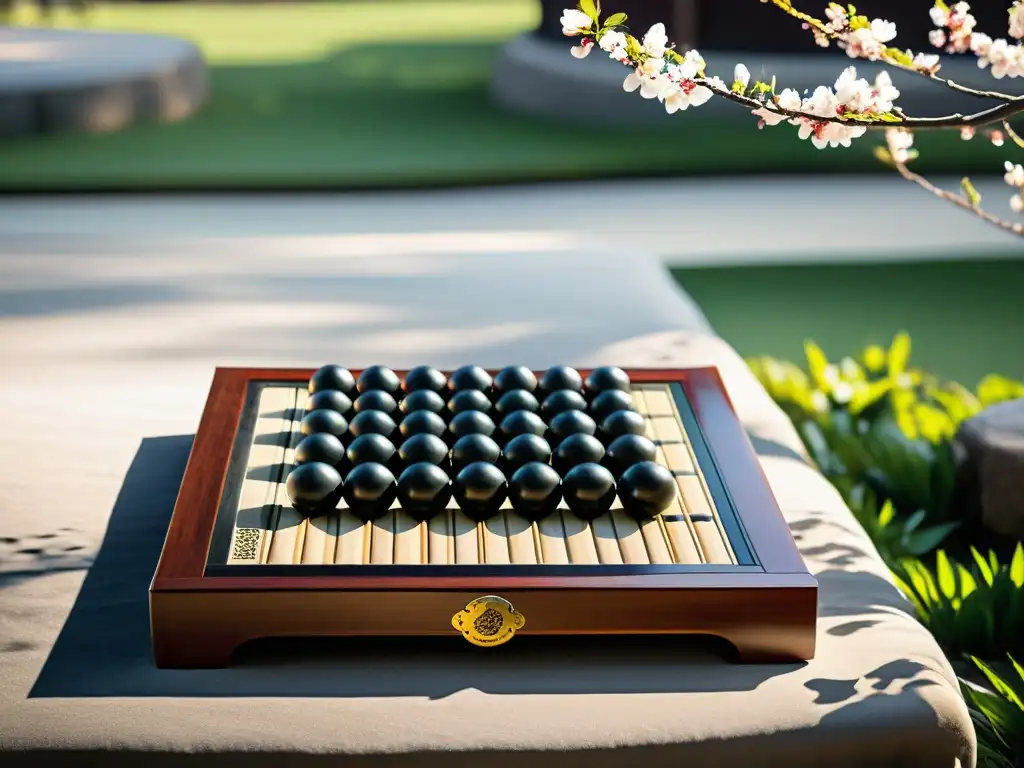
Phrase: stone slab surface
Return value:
(685, 222)
(57, 80)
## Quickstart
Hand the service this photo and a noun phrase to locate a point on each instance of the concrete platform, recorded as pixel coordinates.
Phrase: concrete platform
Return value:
(539, 77)
(71, 80)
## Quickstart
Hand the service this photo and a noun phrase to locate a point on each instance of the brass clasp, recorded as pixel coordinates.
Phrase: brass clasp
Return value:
(488, 621)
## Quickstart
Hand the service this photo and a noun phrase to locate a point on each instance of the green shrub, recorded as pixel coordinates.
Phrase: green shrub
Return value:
(873, 421)
(882, 432)
(998, 714)
(895, 539)
(976, 611)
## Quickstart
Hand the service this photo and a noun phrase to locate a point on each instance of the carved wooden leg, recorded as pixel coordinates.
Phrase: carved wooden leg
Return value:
(768, 646)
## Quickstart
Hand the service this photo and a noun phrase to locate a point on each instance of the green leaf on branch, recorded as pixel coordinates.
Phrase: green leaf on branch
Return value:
(941, 6)
(882, 154)
(972, 195)
(905, 58)
(590, 8)
(1013, 135)
(615, 19)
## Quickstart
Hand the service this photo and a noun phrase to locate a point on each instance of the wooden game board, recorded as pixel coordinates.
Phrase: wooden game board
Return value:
(240, 562)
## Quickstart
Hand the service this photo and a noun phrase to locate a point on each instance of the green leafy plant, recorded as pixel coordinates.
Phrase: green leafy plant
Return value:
(884, 431)
(894, 538)
(977, 611)
(998, 713)
(877, 420)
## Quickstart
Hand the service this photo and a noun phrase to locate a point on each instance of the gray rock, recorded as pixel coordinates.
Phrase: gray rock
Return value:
(993, 466)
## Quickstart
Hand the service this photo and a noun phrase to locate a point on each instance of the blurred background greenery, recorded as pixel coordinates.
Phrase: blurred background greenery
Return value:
(347, 94)
(296, 87)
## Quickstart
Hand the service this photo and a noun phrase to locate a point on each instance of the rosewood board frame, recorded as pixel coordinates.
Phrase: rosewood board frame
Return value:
(767, 611)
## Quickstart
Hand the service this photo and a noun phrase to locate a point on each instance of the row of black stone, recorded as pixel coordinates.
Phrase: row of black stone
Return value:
(559, 438)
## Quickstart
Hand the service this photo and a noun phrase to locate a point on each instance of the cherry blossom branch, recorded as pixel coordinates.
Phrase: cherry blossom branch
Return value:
(898, 143)
(843, 24)
(831, 117)
(998, 114)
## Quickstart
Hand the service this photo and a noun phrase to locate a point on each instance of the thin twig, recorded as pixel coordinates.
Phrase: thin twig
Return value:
(1008, 226)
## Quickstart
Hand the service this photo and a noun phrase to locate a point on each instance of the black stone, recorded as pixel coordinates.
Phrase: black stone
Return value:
(515, 377)
(646, 489)
(332, 377)
(420, 422)
(524, 449)
(424, 490)
(470, 377)
(562, 400)
(535, 490)
(621, 423)
(588, 490)
(379, 377)
(422, 400)
(469, 400)
(521, 423)
(322, 447)
(370, 489)
(314, 487)
(376, 400)
(560, 377)
(424, 378)
(604, 378)
(323, 420)
(570, 423)
(424, 448)
(577, 449)
(609, 402)
(516, 400)
(473, 448)
(370, 448)
(330, 400)
(627, 450)
(372, 423)
(470, 423)
(480, 489)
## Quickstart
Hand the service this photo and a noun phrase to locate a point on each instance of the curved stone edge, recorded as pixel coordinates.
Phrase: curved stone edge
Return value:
(170, 94)
(540, 78)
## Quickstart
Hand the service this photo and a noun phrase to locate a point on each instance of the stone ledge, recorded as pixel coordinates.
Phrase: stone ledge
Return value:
(540, 78)
(70, 80)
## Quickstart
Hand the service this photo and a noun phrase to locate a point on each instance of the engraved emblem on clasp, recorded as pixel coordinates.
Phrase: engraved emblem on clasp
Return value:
(488, 621)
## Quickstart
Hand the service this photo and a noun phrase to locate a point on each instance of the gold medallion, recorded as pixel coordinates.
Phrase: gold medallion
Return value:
(488, 621)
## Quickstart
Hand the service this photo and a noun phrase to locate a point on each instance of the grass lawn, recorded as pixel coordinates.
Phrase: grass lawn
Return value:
(388, 93)
(963, 316)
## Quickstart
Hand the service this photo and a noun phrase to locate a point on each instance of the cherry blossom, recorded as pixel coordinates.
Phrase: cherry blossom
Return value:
(741, 77)
(614, 44)
(788, 99)
(583, 49)
(575, 23)
(1014, 177)
(900, 143)
(1017, 20)
(955, 33)
(655, 41)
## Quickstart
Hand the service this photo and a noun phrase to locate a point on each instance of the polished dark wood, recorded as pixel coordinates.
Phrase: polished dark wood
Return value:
(768, 611)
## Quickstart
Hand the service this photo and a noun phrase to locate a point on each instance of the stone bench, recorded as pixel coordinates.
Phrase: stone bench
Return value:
(109, 348)
(74, 80)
